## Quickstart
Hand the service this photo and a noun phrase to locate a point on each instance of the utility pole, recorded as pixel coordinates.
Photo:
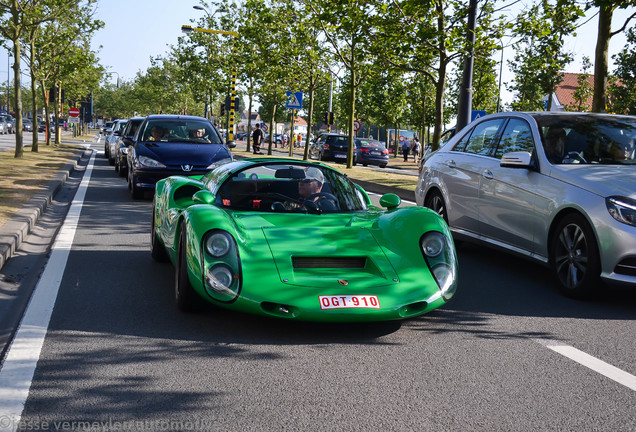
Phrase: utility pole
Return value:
(466, 93)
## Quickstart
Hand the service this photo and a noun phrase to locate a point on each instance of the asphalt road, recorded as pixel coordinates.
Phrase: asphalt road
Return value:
(508, 353)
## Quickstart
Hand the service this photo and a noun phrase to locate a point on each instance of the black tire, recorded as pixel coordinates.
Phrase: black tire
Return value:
(436, 202)
(383, 166)
(574, 257)
(135, 192)
(157, 250)
(123, 170)
(184, 293)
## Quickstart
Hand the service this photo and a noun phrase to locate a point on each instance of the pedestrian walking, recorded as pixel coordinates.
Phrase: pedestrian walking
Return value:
(406, 145)
(416, 149)
(257, 138)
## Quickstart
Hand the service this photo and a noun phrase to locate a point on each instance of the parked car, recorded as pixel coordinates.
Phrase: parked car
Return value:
(250, 236)
(4, 128)
(103, 129)
(123, 142)
(331, 147)
(165, 145)
(27, 125)
(111, 139)
(10, 122)
(240, 136)
(371, 152)
(41, 126)
(559, 188)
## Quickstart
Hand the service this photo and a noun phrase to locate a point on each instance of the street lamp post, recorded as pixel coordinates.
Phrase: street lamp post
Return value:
(189, 29)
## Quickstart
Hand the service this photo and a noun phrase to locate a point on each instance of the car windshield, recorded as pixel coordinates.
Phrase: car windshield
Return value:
(290, 188)
(588, 139)
(182, 131)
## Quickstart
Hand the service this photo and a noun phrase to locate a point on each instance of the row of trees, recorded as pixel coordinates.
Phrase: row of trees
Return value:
(52, 38)
(393, 63)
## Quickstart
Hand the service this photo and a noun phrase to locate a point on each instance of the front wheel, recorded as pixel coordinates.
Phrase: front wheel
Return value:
(157, 250)
(574, 257)
(183, 291)
(135, 192)
(435, 202)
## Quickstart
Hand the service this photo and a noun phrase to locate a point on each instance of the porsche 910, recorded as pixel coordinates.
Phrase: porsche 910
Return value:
(299, 240)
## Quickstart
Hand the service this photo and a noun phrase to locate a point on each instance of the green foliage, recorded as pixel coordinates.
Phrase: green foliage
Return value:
(622, 88)
(584, 91)
(539, 57)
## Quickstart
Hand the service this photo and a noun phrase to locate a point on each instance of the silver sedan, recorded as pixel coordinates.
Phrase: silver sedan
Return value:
(559, 188)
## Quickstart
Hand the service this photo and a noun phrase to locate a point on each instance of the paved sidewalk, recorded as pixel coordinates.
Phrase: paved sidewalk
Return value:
(16, 229)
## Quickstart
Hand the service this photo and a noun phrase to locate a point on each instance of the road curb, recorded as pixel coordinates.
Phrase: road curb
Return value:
(16, 229)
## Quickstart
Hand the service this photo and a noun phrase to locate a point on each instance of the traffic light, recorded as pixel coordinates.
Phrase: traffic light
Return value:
(329, 116)
(326, 117)
(222, 109)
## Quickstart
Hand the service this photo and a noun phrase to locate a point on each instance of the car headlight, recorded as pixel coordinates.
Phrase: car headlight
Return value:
(220, 278)
(217, 244)
(439, 253)
(622, 209)
(221, 266)
(150, 163)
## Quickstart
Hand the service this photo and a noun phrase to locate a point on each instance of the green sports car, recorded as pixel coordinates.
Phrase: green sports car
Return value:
(299, 240)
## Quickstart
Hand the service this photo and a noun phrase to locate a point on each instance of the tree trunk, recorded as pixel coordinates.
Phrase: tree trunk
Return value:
(47, 114)
(271, 129)
(35, 146)
(310, 120)
(17, 86)
(599, 101)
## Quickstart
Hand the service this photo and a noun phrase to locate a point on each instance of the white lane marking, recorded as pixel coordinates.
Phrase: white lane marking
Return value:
(591, 362)
(404, 201)
(24, 352)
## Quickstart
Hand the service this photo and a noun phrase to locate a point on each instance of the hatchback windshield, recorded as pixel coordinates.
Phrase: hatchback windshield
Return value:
(585, 140)
(182, 131)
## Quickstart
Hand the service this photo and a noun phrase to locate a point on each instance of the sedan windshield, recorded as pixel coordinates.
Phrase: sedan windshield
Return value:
(284, 187)
(588, 139)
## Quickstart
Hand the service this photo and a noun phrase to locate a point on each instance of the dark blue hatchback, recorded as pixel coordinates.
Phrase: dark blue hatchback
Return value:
(371, 152)
(167, 145)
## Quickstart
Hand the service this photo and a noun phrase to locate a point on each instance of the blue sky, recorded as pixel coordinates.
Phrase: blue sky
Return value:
(137, 30)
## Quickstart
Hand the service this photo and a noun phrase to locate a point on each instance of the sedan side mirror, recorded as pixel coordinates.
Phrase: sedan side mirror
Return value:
(231, 144)
(520, 159)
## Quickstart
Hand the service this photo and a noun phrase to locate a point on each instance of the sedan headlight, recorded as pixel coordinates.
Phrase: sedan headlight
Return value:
(622, 209)
(440, 257)
(150, 163)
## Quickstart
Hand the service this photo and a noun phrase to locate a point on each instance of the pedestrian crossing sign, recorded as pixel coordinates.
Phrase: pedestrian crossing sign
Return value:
(294, 100)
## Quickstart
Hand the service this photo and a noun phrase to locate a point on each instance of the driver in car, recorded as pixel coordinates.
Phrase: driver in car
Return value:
(310, 189)
(311, 184)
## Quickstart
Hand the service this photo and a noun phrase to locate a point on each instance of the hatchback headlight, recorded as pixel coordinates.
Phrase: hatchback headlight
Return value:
(150, 163)
(622, 209)
(440, 257)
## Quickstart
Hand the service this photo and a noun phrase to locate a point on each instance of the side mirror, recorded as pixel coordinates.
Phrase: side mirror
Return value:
(203, 197)
(390, 201)
(520, 159)
(231, 144)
